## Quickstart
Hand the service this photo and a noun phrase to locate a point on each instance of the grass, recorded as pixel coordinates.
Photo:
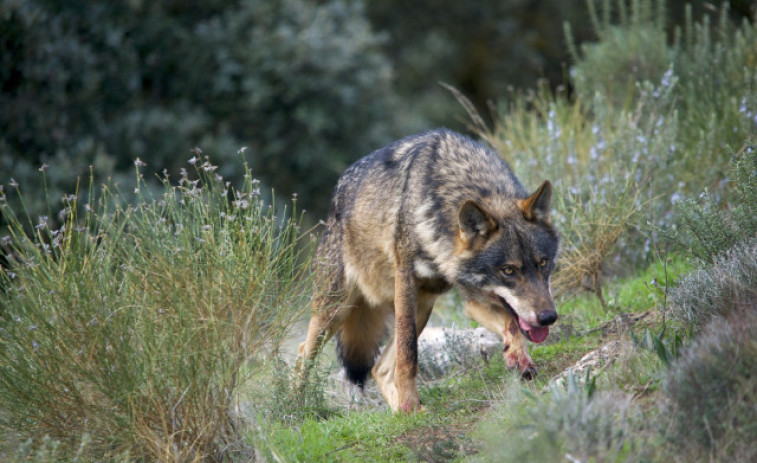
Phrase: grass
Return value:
(354, 436)
(377, 434)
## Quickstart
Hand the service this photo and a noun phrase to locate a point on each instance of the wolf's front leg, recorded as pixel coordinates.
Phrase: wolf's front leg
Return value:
(503, 323)
(406, 338)
(384, 372)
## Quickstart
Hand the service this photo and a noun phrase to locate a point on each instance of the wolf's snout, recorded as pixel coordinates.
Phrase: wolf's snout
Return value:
(547, 317)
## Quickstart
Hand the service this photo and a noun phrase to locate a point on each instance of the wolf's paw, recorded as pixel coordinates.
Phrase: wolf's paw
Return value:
(518, 359)
(412, 407)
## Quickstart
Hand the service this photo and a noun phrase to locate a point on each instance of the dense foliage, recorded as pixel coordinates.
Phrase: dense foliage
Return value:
(303, 85)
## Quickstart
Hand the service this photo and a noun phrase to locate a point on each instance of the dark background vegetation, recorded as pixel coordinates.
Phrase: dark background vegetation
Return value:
(308, 86)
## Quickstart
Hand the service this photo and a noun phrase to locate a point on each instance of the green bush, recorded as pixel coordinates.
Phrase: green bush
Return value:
(710, 392)
(715, 67)
(632, 50)
(725, 286)
(132, 327)
(715, 222)
(568, 423)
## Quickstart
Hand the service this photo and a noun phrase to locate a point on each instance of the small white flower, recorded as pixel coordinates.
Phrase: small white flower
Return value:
(242, 204)
(193, 160)
(139, 163)
(44, 167)
(42, 222)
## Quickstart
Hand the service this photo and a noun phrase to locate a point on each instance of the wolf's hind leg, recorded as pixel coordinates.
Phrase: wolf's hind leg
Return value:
(359, 338)
(320, 330)
(501, 322)
(327, 313)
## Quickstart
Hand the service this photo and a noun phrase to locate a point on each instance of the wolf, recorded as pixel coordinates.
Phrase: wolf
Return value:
(410, 221)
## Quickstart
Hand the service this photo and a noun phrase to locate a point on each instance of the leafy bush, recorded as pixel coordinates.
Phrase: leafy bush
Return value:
(715, 66)
(129, 326)
(710, 413)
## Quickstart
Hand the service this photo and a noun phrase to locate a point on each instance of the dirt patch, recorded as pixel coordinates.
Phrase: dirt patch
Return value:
(442, 443)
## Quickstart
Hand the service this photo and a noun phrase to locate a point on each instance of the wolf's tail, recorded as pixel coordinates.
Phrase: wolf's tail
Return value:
(358, 342)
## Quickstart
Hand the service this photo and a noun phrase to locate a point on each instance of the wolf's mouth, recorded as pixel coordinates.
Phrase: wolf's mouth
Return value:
(534, 334)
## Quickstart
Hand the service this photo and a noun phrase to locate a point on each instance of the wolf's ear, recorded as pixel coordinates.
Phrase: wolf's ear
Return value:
(536, 206)
(474, 222)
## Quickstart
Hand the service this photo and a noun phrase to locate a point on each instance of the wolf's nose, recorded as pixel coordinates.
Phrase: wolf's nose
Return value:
(547, 317)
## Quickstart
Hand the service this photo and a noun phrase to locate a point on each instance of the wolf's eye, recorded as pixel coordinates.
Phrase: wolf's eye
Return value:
(543, 263)
(508, 270)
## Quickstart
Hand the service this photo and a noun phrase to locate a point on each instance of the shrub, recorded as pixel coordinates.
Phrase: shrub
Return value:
(627, 52)
(705, 228)
(727, 285)
(710, 393)
(131, 325)
(567, 423)
(636, 134)
(715, 66)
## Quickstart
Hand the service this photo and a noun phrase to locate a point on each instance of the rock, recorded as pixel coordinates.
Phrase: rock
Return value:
(441, 350)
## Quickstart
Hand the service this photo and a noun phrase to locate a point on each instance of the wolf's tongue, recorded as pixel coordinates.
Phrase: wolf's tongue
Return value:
(535, 334)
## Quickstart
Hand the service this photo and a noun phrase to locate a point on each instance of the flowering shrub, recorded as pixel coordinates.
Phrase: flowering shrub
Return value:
(647, 127)
(128, 327)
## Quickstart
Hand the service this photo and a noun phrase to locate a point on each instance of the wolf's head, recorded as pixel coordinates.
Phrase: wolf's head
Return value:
(507, 259)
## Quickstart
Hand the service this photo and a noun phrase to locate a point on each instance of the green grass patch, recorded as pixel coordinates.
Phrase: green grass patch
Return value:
(354, 436)
(452, 405)
(640, 292)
